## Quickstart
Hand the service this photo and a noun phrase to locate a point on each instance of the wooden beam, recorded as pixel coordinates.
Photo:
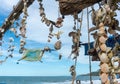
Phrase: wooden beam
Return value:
(18, 10)
(68, 7)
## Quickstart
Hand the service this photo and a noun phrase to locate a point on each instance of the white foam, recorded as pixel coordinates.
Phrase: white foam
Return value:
(82, 82)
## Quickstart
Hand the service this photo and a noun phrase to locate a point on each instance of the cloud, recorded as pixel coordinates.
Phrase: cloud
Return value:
(7, 5)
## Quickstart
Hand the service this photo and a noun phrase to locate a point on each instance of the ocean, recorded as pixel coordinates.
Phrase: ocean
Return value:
(41, 79)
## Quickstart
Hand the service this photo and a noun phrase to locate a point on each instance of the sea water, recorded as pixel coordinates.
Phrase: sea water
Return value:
(41, 79)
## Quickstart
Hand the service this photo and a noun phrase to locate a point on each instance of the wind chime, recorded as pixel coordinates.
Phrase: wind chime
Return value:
(75, 34)
(109, 61)
(23, 28)
(57, 24)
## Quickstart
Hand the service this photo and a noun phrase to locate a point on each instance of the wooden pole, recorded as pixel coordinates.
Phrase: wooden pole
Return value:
(17, 10)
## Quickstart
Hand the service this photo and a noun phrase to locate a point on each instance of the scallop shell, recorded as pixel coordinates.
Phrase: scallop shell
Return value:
(103, 47)
(102, 39)
(104, 77)
(103, 57)
(104, 68)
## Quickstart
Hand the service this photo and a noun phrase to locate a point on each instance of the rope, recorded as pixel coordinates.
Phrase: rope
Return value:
(89, 46)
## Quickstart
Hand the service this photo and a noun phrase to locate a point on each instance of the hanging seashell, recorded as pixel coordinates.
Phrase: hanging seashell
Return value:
(103, 47)
(51, 29)
(104, 77)
(11, 39)
(72, 68)
(103, 57)
(59, 22)
(58, 34)
(111, 31)
(104, 68)
(47, 48)
(102, 39)
(60, 56)
(115, 62)
(57, 45)
(48, 23)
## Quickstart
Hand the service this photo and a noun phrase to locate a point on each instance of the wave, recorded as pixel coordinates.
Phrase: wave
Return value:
(82, 82)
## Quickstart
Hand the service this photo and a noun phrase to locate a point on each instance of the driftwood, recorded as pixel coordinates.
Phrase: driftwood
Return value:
(68, 7)
(18, 10)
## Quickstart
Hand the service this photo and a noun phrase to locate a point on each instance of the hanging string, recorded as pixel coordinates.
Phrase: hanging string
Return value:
(89, 46)
(81, 20)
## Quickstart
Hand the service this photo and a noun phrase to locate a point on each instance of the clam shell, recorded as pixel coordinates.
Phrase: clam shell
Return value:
(104, 68)
(102, 39)
(103, 47)
(104, 77)
(103, 57)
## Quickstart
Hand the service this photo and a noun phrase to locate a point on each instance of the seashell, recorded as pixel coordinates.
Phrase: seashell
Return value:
(115, 62)
(75, 40)
(11, 39)
(104, 77)
(102, 39)
(72, 68)
(103, 47)
(103, 57)
(104, 68)
(111, 31)
(47, 22)
(72, 33)
(101, 25)
(51, 28)
(2, 30)
(57, 45)
(109, 52)
(46, 48)
(101, 32)
(60, 56)
(108, 82)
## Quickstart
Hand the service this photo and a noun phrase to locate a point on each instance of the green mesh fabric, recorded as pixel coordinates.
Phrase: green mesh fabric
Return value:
(32, 55)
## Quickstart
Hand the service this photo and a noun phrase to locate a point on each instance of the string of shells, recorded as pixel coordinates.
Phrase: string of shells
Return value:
(51, 24)
(23, 28)
(75, 34)
(57, 24)
(104, 16)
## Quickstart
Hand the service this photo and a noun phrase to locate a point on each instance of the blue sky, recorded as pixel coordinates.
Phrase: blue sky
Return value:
(37, 33)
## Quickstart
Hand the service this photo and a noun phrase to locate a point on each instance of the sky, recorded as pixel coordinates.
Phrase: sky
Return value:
(37, 35)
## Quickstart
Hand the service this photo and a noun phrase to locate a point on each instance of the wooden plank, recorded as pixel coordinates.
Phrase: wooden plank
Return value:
(68, 7)
(18, 10)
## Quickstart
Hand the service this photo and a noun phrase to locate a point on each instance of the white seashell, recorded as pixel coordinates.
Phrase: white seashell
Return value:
(115, 62)
(11, 39)
(103, 57)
